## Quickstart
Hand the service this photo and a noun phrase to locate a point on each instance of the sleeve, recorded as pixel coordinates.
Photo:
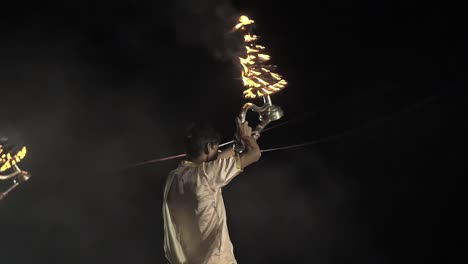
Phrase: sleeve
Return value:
(221, 171)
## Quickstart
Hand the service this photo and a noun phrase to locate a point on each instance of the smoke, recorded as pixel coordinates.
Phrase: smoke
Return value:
(293, 207)
(86, 110)
(207, 24)
(80, 133)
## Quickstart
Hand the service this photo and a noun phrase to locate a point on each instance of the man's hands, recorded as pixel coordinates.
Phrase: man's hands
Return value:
(256, 135)
(244, 131)
(251, 151)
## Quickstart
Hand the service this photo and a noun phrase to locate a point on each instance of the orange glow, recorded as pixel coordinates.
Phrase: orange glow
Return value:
(257, 77)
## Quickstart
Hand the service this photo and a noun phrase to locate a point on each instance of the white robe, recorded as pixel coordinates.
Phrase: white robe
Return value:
(195, 224)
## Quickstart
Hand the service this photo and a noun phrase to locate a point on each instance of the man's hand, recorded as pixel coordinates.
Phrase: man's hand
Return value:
(251, 153)
(243, 129)
(256, 135)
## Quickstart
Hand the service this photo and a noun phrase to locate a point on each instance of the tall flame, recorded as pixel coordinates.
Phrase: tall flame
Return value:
(7, 160)
(257, 76)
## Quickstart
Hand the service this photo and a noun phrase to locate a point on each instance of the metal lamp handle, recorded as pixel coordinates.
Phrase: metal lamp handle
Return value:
(19, 176)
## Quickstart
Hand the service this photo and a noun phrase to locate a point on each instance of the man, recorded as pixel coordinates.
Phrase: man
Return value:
(195, 228)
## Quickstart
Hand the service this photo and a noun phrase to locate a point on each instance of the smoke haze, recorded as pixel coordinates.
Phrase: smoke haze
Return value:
(92, 89)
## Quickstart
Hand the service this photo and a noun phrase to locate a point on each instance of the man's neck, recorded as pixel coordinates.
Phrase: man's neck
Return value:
(197, 160)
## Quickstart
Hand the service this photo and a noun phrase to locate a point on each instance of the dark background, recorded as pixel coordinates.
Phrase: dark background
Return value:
(91, 88)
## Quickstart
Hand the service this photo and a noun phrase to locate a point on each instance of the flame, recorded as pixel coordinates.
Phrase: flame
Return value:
(7, 160)
(258, 77)
(250, 38)
(243, 21)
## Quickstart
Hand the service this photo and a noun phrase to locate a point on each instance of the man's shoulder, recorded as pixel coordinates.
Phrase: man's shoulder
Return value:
(222, 163)
(171, 173)
(222, 160)
(181, 171)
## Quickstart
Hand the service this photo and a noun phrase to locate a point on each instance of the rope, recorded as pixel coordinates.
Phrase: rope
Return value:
(415, 105)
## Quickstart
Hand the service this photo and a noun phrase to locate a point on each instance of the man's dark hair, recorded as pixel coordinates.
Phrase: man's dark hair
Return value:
(198, 137)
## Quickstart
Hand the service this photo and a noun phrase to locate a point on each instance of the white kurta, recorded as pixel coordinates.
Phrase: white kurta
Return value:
(195, 226)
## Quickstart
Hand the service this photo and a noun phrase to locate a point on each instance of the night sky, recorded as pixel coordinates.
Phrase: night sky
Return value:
(92, 88)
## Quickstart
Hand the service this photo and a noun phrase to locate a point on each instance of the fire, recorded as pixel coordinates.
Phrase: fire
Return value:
(258, 77)
(243, 21)
(7, 160)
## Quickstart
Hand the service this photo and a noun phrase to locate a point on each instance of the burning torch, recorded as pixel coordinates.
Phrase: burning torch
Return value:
(259, 78)
(10, 162)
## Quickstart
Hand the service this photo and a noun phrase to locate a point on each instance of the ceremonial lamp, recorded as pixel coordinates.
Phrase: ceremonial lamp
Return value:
(7, 162)
(259, 79)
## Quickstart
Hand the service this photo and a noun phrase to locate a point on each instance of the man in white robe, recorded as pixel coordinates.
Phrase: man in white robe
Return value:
(195, 224)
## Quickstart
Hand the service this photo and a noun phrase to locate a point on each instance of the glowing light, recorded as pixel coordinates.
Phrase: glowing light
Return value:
(7, 160)
(243, 21)
(258, 78)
